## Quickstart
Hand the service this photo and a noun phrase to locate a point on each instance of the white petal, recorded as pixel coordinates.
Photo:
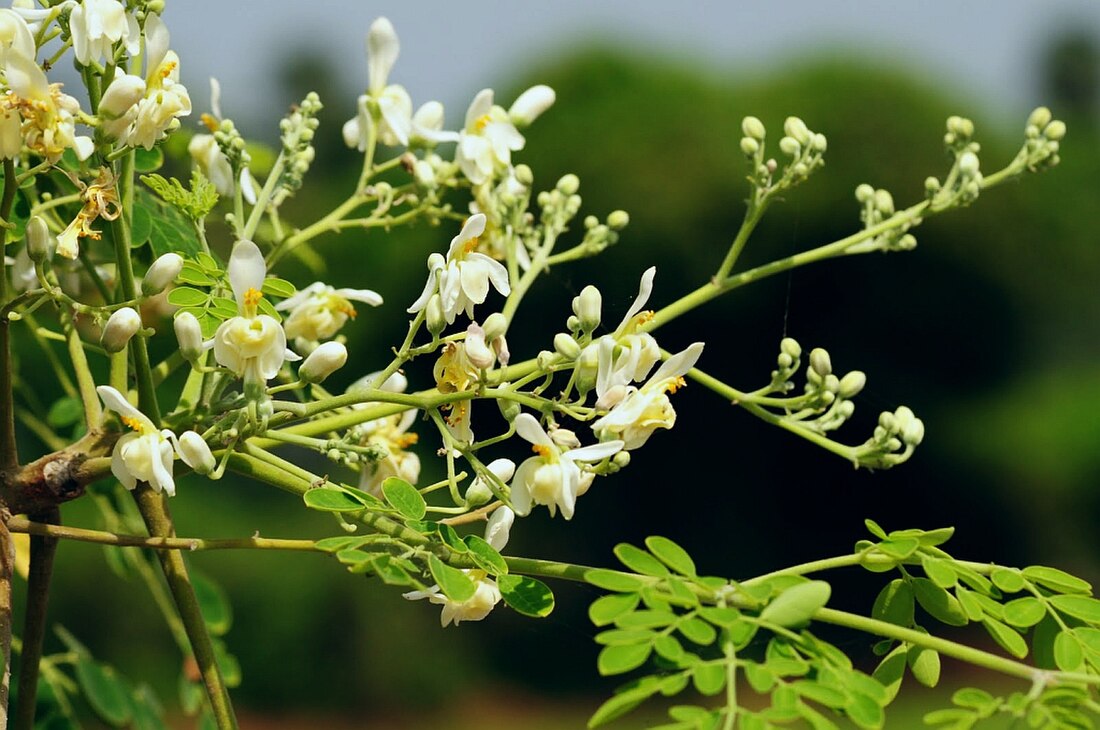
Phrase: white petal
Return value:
(215, 98)
(679, 363)
(528, 427)
(162, 469)
(117, 402)
(498, 528)
(366, 296)
(473, 227)
(478, 108)
(396, 108)
(246, 270)
(521, 495)
(382, 50)
(351, 133)
(645, 288)
(156, 44)
(26, 78)
(531, 104)
(475, 280)
(595, 452)
(302, 295)
(498, 275)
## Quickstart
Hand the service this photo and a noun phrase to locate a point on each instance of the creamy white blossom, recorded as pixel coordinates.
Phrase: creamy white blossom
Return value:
(252, 345)
(49, 116)
(531, 104)
(488, 139)
(319, 311)
(97, 25)
(641, 411)
(144, 455)
(552, 478)
(389, 433)
(462, 279)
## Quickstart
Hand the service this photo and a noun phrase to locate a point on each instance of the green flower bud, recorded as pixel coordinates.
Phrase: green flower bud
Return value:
(509, 409)
(587, 306)
(1040, 117)
(621, 459)
(545, 359)
(120, 328)
(968, 164)
(523, 175)
(196, 453)
(323, 362)
(784, 361)
(795, 127)
(790, 146)
(591, 221)
(831, 383)
(162, 273)
(478, 494)
(820, 144)
(913, 433)
(40, 242)
(884, 202)
(566, 346)
(753, 128)
(846, 409)
(618, 220)
(1056, 130)
(569, 184)
(189, 335)
(851, 384)
(864, 192)
(931, 185)
(434, 316)
(495, 326)
(790, 346)
(572, 323)
(749, 146)
(820, 361)
(886, 421)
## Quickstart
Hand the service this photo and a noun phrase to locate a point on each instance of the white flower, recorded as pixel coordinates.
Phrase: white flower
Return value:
(487, 141)
(319, 311)
(162, 272)
(530, 105)
(195, 452)
(121, 326)
(158, 99)
(643, 410)
(323, 362)
(391, 434)
(486, 593)
(204, 150)
(96, 25)
(16, 37)
(463, 278)
(479, 492)
(189, 335)
(252, 345)
(49, 116)
(455, 373)
(553, 478)
(144, 455)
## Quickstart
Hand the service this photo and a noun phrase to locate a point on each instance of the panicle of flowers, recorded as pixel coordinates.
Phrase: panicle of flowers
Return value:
(97, 26)
(489, 136)
(391, 435)
(223, 151)
(319, 311)
(298, 129)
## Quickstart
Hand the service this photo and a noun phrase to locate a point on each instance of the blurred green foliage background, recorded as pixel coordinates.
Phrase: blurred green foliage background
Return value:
(987, 330)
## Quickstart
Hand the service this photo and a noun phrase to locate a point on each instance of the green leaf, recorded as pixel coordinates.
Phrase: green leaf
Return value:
(970, 604)
(330, 499)
(865, 712)
(974, 698)
(899, 548)
(230, 667)
(486, 556)
(797, 604)
(709, 679)
(760, 678)
(621, 704)
(169, 229)
(341, 542)
(874, 529)
(668, 647)
(894, 603)
(924, 663)
(1068, 654)
(612, 580)
(939, 571)
(720, 616)
(932, 538)
(1025, 612)
(192, 273)
(391, 571)
(404, 498)
(1083, 607)
(455, 584)
(105, 691)
(1007, 637)
(671, 555)
(621, 658)
(939, 603)
(148, 160)
(195, 203)
(141, 228)
(646, 619)
(185, 296)
(890, 671)
(65, 412)
(1056, 580)
(639, 560)
(1008, 580)
(276, 287)
(605, 609)
(624, 636)
(820, 693)
(215, 606)
(526, 596)
(680, 593)
(148, 713)
(698, 631)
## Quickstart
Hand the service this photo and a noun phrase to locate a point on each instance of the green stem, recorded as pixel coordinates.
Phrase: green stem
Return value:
(9, 450)
(59, 370)
(264, 197)
(93, 413)
(403, 352)
(755, 211)
(55, 531)
(323, 225)
(43, 549)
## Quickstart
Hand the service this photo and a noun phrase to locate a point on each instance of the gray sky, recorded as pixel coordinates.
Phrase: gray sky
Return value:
(984, 49)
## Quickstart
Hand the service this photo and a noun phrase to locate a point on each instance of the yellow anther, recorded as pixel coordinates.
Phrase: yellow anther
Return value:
(481, 122)
(252, 297)
(131, 422)
(346, 308)
(674, 385)
(541, 449)
(470, 245)
(406, 440)
(210, 122)
(646, 316)
(166, 69)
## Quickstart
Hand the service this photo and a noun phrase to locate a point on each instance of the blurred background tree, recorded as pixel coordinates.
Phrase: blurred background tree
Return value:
(986, 330)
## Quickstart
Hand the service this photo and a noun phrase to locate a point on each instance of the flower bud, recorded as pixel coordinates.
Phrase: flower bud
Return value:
(509, 409)
(831, 383)
(476, 350)
(795, 127)
(1056, 130)
(162, 273)
(618, 220)
(323, 362)
(1040, 117)
(884, 202)
(189, 335)
(819, 142)
(196, 453)
(753, 128)
(436, 319)
(587, 306)
(784, 361)
(123, 324)
(790, 346)
(968, 164)
(566, 346)
(790, 147)
(40, 242)
(851, 384)
(569, 184)
(531, 104)
(478, 494)
(913, 433)
(429, 116)
(931, 185)
(820, 362)
(864, 192)
(621, 459)
(495, 326)
(749, 146)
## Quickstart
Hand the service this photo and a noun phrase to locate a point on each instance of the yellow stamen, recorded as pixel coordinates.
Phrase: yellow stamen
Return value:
(210, 122)
(541, 449)
(674, 385)
(346, 308)
(166, 69)
(406, 440)
(252, 297)
(481, 122)
(131, 422)
(470, 245)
